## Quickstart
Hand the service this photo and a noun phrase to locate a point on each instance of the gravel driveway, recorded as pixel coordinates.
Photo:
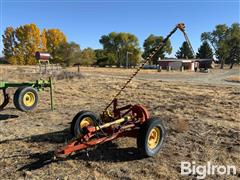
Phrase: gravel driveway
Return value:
(213, 77)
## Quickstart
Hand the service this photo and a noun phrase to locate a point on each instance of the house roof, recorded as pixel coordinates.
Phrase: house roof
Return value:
(183, 60)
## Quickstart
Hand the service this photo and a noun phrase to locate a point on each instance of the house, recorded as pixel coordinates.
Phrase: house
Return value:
(177, 64)
(187, 64)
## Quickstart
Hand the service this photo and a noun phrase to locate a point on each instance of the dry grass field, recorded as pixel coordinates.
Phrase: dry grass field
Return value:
(201, 115)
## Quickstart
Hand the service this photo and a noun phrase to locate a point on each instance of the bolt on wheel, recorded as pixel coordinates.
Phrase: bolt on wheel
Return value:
(25, 98)
(81, 120)
(29, 99)
(154, 138)
(151, 137)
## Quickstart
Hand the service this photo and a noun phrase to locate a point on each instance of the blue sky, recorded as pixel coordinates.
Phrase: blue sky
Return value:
(84, 22)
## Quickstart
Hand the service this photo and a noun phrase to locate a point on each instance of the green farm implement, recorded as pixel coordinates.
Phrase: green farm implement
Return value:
(26, 96)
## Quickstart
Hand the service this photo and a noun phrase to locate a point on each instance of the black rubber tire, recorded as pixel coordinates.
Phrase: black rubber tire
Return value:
(18, 98)
(75, 129)
(142, 139)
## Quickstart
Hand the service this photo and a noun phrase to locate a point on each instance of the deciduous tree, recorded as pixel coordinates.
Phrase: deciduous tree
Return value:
(43, 45)
(120, 44)
(20, 44)
(233, 44)
(28, 42)
(68, 53)
(104, 58)
(225, 41)
(8, 42)
(87, 56)
(151, 42)
(54, 38)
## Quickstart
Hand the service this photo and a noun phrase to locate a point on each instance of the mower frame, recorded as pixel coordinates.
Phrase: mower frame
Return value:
(125, 122)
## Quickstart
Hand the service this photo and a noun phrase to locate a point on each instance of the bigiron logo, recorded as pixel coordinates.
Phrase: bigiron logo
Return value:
(201, 171)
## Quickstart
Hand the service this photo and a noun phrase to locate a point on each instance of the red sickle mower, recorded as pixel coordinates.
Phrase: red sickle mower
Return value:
(128, 121)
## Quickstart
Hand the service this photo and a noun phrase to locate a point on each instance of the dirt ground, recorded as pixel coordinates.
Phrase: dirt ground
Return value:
(201, 118)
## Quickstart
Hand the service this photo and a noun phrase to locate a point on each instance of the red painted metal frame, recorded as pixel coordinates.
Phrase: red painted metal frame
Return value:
(77, 145)
(128, 129)
(137, 110)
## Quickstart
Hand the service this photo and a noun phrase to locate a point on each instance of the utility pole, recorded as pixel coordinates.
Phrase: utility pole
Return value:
(118, 57)
(127, 63)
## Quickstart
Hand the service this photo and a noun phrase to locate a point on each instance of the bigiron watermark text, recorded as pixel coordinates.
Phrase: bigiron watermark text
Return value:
(201, 171)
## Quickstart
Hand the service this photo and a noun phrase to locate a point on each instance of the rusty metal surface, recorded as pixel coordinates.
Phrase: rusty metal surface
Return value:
(42, 56)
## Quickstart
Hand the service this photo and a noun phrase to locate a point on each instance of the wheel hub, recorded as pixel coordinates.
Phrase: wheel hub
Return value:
(154, 138)
(87, 121)
(29, 99)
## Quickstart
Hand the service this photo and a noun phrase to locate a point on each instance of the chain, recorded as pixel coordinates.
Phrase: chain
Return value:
(148, 59)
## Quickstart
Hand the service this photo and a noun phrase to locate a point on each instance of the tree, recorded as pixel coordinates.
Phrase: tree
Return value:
(184, 52)
(151, 42)
(206, 36)
(218, 36)
(233, 44)
(43, 45)
(68, 53)
(8, 42)
(104, 58)
(225, 41)
(28, 42)
(205, 51)
(54, 38)
(119, 44)
(87, 56)
(21, 44)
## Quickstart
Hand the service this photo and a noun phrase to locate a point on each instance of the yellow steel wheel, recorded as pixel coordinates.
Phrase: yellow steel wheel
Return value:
(83, 119)
(150, 137)
(154, 138)
(25, 98)
(29, 99)
(87, 121)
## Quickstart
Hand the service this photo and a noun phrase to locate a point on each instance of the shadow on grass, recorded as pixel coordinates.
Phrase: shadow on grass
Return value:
(40, 160)
(107, 152)
(52, 138)
(7, 116)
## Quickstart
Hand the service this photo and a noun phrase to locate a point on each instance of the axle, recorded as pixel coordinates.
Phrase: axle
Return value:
(119, 121)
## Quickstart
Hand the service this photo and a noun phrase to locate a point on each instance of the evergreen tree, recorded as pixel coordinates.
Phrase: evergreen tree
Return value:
(184, 52)
(205, 51)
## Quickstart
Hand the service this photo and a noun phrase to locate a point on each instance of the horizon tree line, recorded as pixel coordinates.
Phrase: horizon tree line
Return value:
(119, 48)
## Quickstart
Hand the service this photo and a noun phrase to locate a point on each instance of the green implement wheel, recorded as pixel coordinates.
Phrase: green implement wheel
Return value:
(151, 137)
(25, 98)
